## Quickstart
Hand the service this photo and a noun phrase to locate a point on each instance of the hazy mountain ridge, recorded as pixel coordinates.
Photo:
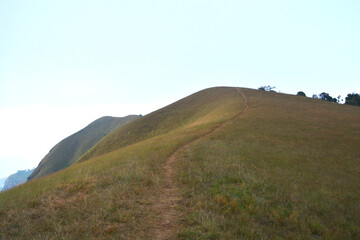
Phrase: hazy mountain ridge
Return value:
(16, 179)
(63, 154)
(2, 181)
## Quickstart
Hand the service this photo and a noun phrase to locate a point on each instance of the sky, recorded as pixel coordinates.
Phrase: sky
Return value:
(63, 63)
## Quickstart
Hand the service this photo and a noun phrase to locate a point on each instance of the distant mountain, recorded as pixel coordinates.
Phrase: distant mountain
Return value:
(17, 178)
(2, 181)
(63, 154)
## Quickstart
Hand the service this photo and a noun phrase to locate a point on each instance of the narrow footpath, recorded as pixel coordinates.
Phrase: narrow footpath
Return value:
(166, 206)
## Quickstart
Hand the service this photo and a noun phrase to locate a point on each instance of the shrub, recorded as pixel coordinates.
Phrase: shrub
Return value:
(267, 88)
(301, 93)
(353, 99)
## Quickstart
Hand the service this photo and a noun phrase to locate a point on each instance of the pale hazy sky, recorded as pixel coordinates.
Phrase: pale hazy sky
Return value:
(64, 64)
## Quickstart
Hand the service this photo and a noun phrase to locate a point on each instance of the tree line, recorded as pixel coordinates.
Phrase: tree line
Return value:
(351, 99)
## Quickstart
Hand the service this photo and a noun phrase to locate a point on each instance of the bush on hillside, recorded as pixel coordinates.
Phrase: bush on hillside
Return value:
(326, 97)
(353, 99)
(267, 88)
(301, 93)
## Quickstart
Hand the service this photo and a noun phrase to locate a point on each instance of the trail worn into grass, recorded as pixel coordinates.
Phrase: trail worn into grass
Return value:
(168, 202)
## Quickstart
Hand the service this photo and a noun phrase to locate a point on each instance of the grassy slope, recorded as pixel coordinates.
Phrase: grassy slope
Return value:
(200, 108)
(63, 154)
(288, 168)
(111, 196)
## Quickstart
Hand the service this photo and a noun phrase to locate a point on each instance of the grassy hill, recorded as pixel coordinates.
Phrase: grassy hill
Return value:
(63, 154)
(222, 163)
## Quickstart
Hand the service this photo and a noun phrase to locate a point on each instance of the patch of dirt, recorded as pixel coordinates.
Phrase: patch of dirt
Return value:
(168, 202)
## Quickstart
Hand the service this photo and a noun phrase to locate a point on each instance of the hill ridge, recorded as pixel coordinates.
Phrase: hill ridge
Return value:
(68, 150)
(149, 126)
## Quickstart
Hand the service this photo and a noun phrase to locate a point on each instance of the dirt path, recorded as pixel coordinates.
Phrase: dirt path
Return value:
(166, 228)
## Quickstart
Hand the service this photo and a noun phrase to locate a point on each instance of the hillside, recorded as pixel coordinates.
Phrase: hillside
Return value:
(63, 154)
(200, 109)
(16, 179)
(223, 163)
